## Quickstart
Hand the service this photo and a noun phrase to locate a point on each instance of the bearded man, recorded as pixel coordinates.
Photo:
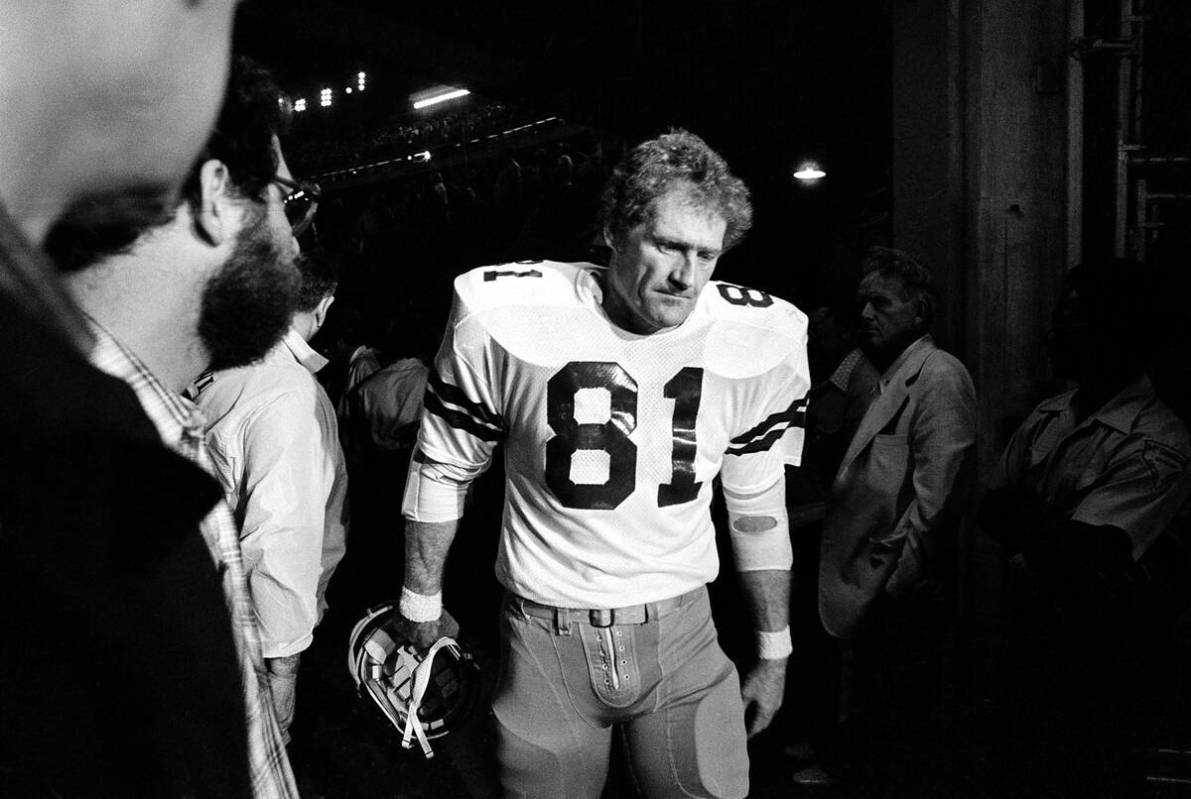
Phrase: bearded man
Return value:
(209, 283)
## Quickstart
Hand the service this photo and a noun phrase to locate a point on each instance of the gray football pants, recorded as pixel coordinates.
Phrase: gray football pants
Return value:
(565, 681)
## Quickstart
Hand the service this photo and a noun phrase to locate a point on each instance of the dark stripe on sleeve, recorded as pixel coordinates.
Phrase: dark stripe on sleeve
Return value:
(460, 420)
(794, 416)
(762, 444)
(455, 396)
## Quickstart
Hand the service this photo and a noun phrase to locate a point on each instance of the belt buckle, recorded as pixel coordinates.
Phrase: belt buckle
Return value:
(601, 617)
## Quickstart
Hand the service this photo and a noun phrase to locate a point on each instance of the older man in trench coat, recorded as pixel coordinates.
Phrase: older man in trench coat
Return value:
(891, 525)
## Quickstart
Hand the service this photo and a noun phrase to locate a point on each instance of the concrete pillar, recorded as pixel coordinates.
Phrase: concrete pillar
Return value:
(980, 184)
(981, 189)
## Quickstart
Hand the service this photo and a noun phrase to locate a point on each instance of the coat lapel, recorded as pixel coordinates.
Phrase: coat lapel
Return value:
(886, 406)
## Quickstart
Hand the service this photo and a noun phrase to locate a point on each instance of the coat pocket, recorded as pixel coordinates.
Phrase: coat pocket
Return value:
(887, 464)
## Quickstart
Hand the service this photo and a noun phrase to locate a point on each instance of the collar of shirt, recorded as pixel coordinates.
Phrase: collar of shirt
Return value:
(178, 421)
(843, 373)
(1119, 413)
(303, 353)
(883, 383)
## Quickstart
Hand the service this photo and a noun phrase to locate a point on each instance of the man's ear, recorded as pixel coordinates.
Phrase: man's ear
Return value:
(212, 217)
(923, 312)
(320, 311)
(609, 239)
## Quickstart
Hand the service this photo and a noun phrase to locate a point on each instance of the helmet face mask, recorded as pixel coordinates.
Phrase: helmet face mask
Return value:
(434, 689)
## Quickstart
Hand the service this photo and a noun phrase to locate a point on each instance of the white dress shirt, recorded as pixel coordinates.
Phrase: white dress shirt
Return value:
(275, 443)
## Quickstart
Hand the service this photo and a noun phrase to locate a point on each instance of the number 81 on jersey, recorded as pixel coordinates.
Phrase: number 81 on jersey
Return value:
(612, 436)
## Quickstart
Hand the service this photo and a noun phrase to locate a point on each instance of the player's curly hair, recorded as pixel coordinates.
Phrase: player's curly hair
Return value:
(653, 167)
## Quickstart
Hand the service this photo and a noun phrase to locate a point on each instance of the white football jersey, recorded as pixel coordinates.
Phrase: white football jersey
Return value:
(612, 440)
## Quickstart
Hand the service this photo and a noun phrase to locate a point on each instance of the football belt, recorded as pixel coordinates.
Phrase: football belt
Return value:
(424, 695)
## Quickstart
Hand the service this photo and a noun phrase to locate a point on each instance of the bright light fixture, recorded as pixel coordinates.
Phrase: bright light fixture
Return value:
(348, 90)
(324, 98)
(300, 104)
(809, 172)
(435, 99)
(360, 81)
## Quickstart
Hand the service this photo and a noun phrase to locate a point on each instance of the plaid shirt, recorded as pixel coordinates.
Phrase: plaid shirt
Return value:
(182, 428)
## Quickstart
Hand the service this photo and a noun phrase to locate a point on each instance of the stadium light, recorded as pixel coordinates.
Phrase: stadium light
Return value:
(809, 172)
(324, 98)
(360, 81)
(435, 99)
(300, 104)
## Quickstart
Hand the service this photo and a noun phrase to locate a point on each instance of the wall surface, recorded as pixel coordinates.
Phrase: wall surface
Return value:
(980, 184)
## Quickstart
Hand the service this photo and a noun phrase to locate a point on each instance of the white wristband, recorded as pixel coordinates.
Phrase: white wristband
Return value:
(419, 607)
(774, 646)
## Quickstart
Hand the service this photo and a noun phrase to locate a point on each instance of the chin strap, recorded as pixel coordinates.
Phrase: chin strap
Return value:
(421, 678)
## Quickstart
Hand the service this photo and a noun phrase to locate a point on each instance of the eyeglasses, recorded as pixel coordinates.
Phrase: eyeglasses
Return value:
(301, 202)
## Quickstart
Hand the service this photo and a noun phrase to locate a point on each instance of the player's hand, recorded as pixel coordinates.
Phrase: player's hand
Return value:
(763, 691)
(424, 634)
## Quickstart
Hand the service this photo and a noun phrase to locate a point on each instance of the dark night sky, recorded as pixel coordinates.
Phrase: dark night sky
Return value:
(766, 82)
(755, 74)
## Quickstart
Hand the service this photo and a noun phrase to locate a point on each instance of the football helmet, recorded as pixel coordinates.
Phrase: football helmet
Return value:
(424, 694)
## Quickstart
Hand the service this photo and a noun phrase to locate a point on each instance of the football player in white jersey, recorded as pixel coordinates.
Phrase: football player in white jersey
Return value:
(620, 395)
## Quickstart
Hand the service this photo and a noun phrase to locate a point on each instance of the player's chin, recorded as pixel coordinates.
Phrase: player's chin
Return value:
(668, 321)
(670, 311)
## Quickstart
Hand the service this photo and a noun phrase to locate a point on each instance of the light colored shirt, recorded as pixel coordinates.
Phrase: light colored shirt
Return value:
(361, 364)
(612, 441)
(275, 444)
(1126, 465)
(390, 404)
(181, 427)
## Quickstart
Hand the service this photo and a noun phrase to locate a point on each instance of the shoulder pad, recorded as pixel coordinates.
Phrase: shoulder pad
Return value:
(520, 283)
(750, 306)
(534, 310)
(753, 330)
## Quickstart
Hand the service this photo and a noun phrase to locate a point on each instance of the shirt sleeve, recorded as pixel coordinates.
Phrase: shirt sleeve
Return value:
(288, 476)
(390, 406)
(1140, 492)
(461, 420)
(774, 420)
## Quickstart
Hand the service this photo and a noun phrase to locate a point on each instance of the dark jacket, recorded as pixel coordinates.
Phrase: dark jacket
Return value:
(118, 675)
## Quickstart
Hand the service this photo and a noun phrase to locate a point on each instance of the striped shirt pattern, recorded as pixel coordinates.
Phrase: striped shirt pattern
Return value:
(182, 428)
